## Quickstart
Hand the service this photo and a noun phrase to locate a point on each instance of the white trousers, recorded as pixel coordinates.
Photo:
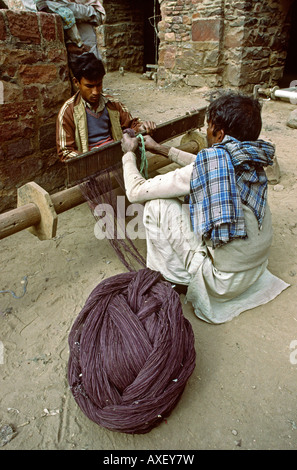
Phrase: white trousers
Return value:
(174, 250)
(172, 247)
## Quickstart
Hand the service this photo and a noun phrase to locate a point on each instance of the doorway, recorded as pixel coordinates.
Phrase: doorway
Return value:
(152, 16)
(290, 69)
(129, 37)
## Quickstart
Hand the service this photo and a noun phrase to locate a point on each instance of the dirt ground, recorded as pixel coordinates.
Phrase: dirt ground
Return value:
(242, 393)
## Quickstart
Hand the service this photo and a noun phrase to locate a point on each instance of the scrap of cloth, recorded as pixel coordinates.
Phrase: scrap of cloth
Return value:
(131, 352)
(96, 5)
(224, 177)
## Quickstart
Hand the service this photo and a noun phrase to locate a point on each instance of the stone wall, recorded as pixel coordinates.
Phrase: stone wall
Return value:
(35, 83)
(213, 43)
(256, 42)
(227, 43)
(120, 39)
(190, 42)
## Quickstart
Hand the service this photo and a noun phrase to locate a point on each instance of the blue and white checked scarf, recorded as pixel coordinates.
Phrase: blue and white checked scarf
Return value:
(225, 176)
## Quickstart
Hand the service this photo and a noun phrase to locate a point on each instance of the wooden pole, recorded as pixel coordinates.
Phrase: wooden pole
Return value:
(29, 215)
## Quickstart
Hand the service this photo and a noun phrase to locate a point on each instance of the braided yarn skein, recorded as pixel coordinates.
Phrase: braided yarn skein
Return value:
(131, 352)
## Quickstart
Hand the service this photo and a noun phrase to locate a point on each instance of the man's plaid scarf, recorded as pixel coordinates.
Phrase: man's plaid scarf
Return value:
(225, 176)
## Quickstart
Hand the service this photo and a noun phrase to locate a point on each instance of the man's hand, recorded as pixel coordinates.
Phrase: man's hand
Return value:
(152, 146)
(129, 144)
(148, 126)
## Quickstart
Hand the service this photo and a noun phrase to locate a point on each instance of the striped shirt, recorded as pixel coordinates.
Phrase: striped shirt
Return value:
(72, 130)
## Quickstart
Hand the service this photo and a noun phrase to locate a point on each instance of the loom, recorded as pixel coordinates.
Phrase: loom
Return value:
(38, 211)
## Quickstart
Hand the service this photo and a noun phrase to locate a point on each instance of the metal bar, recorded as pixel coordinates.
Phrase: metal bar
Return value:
(91, 163)
(291, 95)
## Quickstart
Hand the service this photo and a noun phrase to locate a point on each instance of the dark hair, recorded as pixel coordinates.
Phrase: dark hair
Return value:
(87, 66)
(238, 115)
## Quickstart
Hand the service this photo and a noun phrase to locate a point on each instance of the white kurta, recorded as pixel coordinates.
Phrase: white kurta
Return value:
(173, 249)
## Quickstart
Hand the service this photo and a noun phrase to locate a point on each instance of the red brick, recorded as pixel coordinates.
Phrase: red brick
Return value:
(14, 129)
(47, 136)
(53, 96)
(8, 131)
(57, 55)
(24, 26)
(22, 171)
(48, 26)
(60, 30)
(17, 57)
(18, 148)
(31, 92)
(206, 30)
(38, 73)
(169, 57)
(17, 109)
(9, 72)
(2, 28)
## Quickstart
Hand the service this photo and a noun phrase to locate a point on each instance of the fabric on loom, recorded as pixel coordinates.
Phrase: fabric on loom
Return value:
(131, 352)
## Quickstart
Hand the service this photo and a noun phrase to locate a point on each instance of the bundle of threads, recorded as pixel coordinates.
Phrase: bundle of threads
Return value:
(131, 352)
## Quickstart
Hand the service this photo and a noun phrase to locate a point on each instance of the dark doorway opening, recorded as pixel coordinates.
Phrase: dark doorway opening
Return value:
(129, 37)
(152, 16)
(290, 70)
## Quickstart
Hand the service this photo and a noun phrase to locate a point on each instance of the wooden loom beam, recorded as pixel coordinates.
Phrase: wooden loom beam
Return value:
(37, 210)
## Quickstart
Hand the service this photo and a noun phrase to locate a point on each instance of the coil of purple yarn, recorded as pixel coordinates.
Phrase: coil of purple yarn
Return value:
(131, 352)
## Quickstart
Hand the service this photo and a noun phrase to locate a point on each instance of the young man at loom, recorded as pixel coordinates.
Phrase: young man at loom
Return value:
(217, 245)
(91, 118)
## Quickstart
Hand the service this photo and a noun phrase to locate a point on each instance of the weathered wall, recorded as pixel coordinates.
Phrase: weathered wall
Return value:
(226, 43)
(255, 42)
(190, 42)
(34, 75)
(214, 43)
(120, 39)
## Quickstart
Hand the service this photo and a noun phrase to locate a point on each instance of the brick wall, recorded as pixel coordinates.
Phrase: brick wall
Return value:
(213, 43)
(120, 39)
(227, 43)
(35, 83)
(255, 42)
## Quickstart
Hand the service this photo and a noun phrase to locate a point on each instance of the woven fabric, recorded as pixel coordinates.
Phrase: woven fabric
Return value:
(131, 352)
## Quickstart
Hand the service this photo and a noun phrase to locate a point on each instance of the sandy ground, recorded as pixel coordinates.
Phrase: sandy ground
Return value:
(242, 394)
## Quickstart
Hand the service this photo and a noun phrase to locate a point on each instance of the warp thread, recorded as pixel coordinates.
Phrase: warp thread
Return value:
(99, 190)
(25, 282)
(131, 352)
